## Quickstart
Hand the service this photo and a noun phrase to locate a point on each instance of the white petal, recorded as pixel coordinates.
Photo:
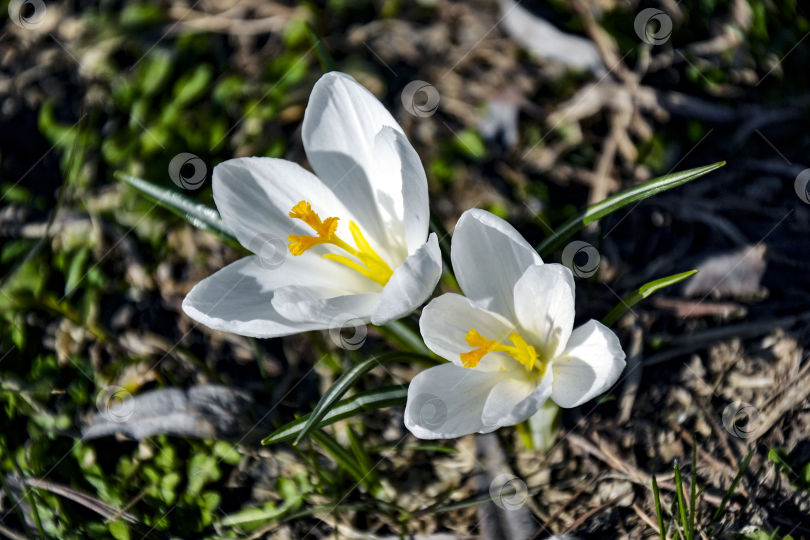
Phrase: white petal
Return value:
(238, 299)
(590, 365)
(514, 400)
(255, 195)
(544, 304)
(397, 164)
(340, 123)
(447, 401)
(489, 257)
(412, 283)
(446, 320)
(323, 306)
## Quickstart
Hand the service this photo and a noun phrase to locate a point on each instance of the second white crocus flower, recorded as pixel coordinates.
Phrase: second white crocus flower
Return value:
(356, 231)
(510, 340)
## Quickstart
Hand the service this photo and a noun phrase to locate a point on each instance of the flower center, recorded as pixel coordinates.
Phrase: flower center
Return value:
(519, 350)
(373, 267)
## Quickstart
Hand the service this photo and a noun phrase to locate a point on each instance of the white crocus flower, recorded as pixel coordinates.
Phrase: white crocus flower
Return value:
(357, 230)
(510, 340)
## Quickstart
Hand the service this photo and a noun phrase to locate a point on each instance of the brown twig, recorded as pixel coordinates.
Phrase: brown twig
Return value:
(604, 43)
(562, 508)
(688, 343)
(718, 431)
(633, 474)
(797, 393)
(11, 534)
(645, 518)
(595, 511)
(96, 505)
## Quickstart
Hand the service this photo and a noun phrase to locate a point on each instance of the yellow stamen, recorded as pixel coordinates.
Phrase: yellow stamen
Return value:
(520, 351)
(373, 266)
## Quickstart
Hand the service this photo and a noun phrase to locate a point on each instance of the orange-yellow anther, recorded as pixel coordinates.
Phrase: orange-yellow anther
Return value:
(520, 351)
(373, 267)
(303, 211)
(325, 229)
(474, 339)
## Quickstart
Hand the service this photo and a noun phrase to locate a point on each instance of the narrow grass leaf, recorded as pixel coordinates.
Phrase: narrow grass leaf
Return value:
(693, 496)
(681, 501)
(733, 485)
(201, 216)
(620, 200)
(406, 337)
(312, 464)
(658, 512)
(443, 236)
(348, 379)
(363, 459)
(343, 458)
(641, 293)
(472, 501)
(326, 60)
(388, 396)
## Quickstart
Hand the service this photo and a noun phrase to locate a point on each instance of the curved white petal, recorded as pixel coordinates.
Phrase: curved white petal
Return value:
(397, 167)
(238, 299)
(544, 305)
(324, 306)
(514, 400)
(446, 320)
(489, 257)
(254, 196)
(447, 401)
(412, 283)
(589, 366)
(340, 123)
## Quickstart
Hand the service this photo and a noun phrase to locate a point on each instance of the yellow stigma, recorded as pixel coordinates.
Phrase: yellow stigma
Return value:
(520, 351)
(373, 267)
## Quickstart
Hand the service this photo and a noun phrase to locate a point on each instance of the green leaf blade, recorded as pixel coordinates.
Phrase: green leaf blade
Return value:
(400, 333)
(661, 530)
(620, 200)
(341, 456)
(324, 57)
(348, 379)
(436, 226)
(693, 495)
(361, 455)
(201, 216)
(733, 486)
(388, 396)
(641, 293)
(681, 499)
